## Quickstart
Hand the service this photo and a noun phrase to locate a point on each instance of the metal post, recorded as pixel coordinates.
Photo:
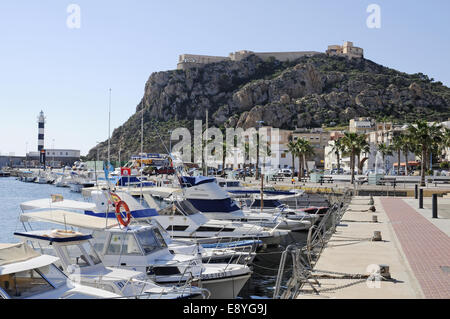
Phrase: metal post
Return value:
(416, 191)
(434, 206)
(421, 198)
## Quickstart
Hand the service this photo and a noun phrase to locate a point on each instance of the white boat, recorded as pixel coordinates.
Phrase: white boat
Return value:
(78, 257)
(26, 274)
(273, 206)
(237, 190)
(183, 221)
(219, 253)
(143, 248)
(212, 201)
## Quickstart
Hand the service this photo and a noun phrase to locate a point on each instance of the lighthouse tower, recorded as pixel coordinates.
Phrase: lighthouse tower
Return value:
(41, 123)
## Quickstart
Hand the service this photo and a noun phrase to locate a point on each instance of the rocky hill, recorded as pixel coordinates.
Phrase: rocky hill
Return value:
(308, 92)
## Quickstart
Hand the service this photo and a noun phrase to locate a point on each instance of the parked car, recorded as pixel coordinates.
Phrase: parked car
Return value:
(335, 171)
(286, 172)
(165, 170)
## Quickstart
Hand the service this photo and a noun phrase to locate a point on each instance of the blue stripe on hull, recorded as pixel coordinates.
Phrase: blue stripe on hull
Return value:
(142, 213)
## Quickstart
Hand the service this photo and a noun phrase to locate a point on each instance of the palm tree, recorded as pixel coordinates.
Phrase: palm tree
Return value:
(303, 150)
(424, 137)
(385, 150)
(292, 148)
(362, 147)
(406, 148)
(397, 145)
(338, 149)
(446, 140)
(351, 142)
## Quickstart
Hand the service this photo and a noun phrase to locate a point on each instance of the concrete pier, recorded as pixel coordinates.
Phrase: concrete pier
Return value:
(415, 247)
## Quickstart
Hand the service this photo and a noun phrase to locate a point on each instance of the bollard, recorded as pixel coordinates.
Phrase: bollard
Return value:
(376, 236)
(434, 206)
(371, 202)
(374, 218)
(421, 198)
(416, 191)
(384, 271)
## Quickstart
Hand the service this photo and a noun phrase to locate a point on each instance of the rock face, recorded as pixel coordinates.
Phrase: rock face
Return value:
(308, 92)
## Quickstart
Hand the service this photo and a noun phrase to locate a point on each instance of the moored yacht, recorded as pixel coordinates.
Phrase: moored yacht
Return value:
(272, 205)
(143, 248)
(212, 201)
(27, 274)
(78, 257)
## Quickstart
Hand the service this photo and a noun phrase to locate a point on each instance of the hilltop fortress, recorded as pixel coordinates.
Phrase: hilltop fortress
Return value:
(187, 61)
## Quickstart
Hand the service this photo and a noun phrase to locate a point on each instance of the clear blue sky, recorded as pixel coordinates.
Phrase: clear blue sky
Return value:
(68, 72)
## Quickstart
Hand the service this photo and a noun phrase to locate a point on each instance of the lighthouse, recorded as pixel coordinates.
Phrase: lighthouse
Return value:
(41, 123)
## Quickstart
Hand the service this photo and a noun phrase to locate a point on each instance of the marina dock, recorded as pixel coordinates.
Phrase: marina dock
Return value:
(415, 247)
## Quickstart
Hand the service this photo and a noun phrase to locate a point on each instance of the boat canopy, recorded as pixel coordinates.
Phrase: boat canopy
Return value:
(189, 181)
(64, 204)
(70, 218)
(13, 253)
(51, 237)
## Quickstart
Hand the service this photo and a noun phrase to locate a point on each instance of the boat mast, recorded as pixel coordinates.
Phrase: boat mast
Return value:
(142, 145)
(109, 135)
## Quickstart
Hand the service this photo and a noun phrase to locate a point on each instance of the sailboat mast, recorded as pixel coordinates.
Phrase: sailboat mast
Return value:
(109, 129)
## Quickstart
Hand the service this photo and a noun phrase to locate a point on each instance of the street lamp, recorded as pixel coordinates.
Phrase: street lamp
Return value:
(257, 149)
(170, 141)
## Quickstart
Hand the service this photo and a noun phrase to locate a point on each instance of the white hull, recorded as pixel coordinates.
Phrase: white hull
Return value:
(227, 288)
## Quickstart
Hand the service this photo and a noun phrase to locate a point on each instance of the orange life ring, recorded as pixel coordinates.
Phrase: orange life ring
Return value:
(119, 215)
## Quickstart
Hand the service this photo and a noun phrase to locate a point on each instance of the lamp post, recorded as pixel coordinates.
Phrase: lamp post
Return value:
(257, 149)
(53, 151)
(170, 141)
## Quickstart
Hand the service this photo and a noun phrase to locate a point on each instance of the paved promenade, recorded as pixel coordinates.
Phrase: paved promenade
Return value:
(415, 247)
(426, 247)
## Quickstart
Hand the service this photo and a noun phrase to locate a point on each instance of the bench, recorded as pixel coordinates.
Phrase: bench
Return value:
(437, 180)
(361, 180)
(277, 178)
(390, 180)
(327, 179)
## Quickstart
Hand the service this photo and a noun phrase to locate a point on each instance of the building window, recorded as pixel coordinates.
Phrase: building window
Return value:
(283, 155)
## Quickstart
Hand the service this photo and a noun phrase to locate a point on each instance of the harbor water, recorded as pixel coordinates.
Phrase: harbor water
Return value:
(13, 192)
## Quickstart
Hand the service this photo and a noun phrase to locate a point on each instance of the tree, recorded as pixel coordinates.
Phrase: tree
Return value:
(385, 150)
(362, 147)
(406, 148)
(351, 142)
(397, 144)
(424, 137)
(338, 149)
(303, 150)
(292, 148)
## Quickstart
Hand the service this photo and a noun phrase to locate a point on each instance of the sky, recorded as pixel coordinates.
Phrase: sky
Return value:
(48, 64)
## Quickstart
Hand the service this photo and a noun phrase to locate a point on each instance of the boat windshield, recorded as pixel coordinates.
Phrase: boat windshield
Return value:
(123, 244)
(31, 282)
(183, 208)
(82, 255)
(150, 240)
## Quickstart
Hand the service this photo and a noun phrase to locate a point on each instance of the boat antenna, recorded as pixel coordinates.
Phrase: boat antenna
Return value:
(109, 137)
(142, 147)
